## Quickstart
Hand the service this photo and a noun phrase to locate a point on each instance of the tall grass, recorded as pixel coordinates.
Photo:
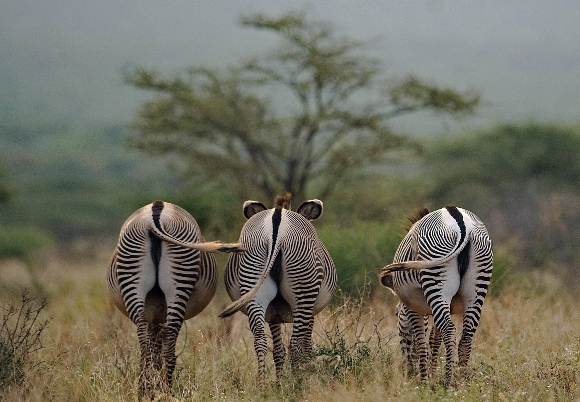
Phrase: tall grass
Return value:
(527, 348)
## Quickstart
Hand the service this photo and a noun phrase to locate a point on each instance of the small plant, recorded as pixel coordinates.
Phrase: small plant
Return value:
(349, 343)
(20, 337)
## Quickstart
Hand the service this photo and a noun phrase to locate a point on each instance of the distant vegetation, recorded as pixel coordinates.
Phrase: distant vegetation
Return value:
(74, 182)
(68, 183)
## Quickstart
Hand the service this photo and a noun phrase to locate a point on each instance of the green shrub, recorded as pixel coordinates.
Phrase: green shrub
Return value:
(359, 250)
(21, 242)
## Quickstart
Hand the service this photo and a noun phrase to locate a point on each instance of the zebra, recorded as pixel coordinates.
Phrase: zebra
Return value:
(443, 266)
(160, 274)
(286, 275)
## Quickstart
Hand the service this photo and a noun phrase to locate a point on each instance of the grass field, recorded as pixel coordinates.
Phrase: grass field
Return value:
(527, 347)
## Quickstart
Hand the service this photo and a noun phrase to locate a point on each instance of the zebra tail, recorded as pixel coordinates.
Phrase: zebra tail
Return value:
(245, 299)
(403, 266)
(209, 246)
(422, 264)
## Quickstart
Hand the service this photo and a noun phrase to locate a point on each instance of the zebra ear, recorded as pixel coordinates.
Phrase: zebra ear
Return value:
(311, 209)
(251, 208)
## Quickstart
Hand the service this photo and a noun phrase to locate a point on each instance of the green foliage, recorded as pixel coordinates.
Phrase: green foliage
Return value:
(21, 242)
(412, 94)
(301, 118)
(359, 250)
(20, 337)
(343, 359)
(71, 182)
(522, 180)
(504, 160)
(503, 267)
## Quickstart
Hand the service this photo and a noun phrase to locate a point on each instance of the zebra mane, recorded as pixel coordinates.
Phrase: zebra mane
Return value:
(417, 215)
(283, 201)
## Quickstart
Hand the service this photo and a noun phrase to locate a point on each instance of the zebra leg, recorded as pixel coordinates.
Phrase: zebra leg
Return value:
(155, 332)
(442, 319)
(405, 339)
(301, 331)
(439, 285)
(170, 335)
(465, 344)
(434, 345)
(307, 341)
(473, 291)
(147, 375)
(419, 345)
(279, 349)
(256, 316)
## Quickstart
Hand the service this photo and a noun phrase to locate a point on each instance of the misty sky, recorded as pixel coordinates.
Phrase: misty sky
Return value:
(63, 60)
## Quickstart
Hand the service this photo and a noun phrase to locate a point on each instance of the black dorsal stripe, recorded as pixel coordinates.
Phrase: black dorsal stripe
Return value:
(156, 210)
(458, 216)
(276, 219)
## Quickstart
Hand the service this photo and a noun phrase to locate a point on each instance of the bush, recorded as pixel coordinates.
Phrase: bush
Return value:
(350, 346)
(21, 242)
(20, 337)
(359, 250)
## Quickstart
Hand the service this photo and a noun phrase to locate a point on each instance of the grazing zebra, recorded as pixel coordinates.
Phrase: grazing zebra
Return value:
(160, 274)
(285, 275)
(442, 266)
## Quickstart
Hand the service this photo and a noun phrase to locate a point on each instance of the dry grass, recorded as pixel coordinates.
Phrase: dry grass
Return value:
(527, 348)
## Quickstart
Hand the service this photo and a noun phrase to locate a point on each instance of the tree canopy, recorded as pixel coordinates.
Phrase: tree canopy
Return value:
(299, 118)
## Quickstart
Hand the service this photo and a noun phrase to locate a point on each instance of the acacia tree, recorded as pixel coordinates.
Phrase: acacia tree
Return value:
(297, 119)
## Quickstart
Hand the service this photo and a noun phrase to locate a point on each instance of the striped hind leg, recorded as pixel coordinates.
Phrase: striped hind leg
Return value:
(473, 292)
(439, 286)
(305, 279)
(257, 318)
(300, 349)
(405, 339)
(149, 344)
(434, 345)
(170, 334)
(307, 340)
(413, 350)
(418, 346)
(442, 318)
(279, 349)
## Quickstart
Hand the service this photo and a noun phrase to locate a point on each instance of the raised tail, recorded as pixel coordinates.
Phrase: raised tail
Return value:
(209, 247)
(462, 241)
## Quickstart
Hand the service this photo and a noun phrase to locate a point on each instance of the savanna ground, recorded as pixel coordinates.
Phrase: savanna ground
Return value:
(527, 347)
